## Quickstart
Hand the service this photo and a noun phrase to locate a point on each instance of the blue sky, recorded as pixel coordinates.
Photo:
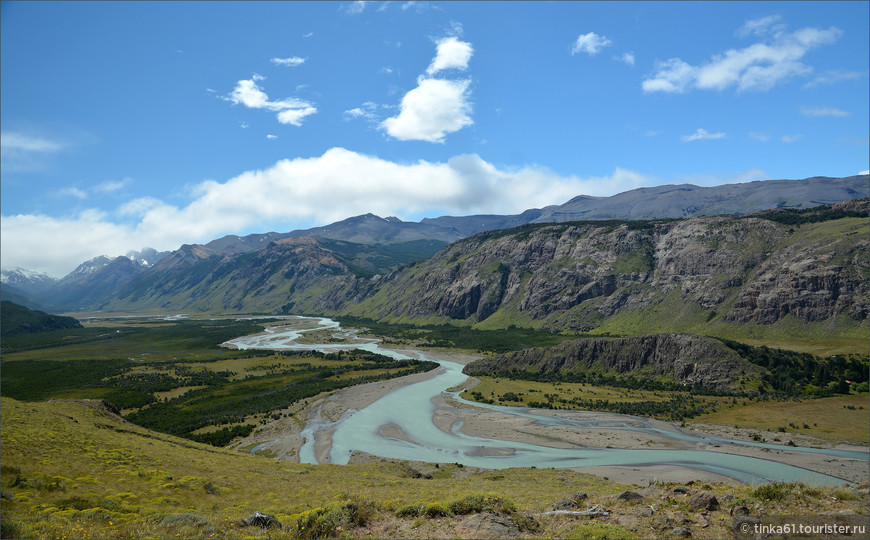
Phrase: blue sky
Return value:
(133, 124)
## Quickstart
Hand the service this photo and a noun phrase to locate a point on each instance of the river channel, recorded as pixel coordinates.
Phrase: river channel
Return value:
(409, 410)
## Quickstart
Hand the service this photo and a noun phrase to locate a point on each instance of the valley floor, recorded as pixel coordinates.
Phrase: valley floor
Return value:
(282, 438)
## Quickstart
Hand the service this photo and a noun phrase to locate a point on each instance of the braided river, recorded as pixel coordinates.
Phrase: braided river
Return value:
(413, 434)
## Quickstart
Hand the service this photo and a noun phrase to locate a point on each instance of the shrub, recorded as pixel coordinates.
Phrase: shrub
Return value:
(473, 504)
(776, 491)
(408, 511)
(810, 491)
(10, 529)
(328, 521)
(75, 503)
(435, 509)
(846, 495)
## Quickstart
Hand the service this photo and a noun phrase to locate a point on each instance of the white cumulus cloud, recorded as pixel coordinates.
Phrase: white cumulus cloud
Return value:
(297, 193)
(437, 106)
(289, 111)
(590, 44)
(451, 54)
(760, 66)
(431, 111)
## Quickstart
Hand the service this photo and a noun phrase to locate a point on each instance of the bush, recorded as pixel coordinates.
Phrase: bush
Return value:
(408, 511)
(10, 529)
(473, 504)
(847, 495)
(435, 509)
(75, 503)
(776, 491)
(328, 521)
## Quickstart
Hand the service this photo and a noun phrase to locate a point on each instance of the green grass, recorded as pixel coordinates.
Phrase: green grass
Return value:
(141, 368)
(460, 337)
(72, 470)
(663, 404)
(139, 339)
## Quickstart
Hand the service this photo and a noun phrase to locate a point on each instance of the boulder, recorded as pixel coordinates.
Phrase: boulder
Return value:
(740, 511)
(571, 502)
(704, 500)
(681, 532)
(487, 525)
(646, 511)
(630, 496)
(259, 519)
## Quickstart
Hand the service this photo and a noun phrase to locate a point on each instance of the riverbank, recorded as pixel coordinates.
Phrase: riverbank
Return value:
(600, 430)
(285, 435)
(144, 484)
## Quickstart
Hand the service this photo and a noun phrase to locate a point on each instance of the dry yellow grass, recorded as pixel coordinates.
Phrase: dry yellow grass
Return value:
(818, 346)
(176, 392)
(131, 478)
(71, 470)
(826, 417)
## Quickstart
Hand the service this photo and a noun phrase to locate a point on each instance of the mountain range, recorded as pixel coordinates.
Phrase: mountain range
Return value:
(601, 264)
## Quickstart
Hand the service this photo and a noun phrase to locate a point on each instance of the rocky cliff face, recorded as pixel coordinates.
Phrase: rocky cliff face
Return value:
(698, 271)
(702, 275)
(692, 360)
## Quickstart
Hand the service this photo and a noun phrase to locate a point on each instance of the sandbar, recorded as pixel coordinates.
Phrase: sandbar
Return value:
(450, 415)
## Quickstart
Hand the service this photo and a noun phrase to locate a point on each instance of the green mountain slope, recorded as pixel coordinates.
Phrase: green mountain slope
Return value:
(777, 274)
(298, 275)
(785, 273)
(16, 320)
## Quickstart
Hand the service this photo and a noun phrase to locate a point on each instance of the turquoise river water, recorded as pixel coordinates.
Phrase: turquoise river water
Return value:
(411, 408)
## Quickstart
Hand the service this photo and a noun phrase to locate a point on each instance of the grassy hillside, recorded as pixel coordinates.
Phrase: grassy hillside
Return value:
(71, 469)
(16, 320)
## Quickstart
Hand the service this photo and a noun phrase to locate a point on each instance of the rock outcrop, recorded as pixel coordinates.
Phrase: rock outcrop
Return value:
(692, 360)
(672, 275)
